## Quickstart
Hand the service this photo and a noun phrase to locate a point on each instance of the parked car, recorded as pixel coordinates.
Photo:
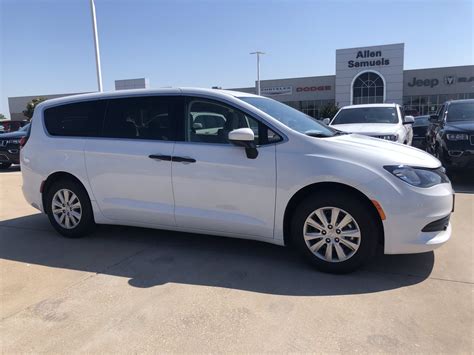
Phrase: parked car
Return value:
(10, 147)
(411, 112)
(420, 128)
(12, 126)
(135, 158)
(451, 134)
(385, 121)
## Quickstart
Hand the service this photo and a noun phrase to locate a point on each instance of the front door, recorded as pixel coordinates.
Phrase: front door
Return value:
(129, 168)
(216, 187)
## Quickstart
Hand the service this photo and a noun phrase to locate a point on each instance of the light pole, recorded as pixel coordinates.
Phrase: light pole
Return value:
(96, 44)
(258, 53)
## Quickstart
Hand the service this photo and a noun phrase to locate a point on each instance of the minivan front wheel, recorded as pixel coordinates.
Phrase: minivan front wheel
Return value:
(336, 233)
(69, 209)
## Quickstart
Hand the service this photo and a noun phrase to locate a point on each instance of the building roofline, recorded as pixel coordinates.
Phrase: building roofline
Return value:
(377, 45)
(454, 66)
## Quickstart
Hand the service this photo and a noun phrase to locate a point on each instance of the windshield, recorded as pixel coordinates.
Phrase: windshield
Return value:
(366, 115)
(461, 112)
(290, 117)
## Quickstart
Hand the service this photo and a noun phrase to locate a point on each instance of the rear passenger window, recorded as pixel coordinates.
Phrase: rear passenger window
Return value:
(83, 119)
(142, 118)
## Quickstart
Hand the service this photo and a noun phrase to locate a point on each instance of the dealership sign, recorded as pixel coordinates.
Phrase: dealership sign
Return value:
(313, 88)
(448, 80)
(277, 90)
(368, 58)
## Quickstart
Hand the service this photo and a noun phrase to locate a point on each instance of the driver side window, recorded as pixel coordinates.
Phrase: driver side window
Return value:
(210, 122)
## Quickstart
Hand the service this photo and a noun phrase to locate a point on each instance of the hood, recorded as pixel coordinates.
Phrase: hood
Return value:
(385, 152)
(460, 126)
(370, 129)
(10, 135)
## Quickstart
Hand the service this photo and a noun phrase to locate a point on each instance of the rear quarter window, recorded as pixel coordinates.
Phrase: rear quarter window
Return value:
(80, 119)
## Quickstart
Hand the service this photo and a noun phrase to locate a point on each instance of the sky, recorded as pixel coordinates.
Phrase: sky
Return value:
(46, 46)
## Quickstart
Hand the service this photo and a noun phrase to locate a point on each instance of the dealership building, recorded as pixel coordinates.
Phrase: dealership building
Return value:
(372, 74)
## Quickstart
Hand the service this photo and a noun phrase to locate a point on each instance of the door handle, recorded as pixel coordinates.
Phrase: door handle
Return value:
(183, 160)
(160, 157)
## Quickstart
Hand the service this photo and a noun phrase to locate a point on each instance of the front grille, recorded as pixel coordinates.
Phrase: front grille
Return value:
(438, 225)
(3, 143)
(3, 157)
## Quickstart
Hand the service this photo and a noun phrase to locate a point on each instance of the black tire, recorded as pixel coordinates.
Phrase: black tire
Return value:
(358, 209)
(86, 223)
(4, 166)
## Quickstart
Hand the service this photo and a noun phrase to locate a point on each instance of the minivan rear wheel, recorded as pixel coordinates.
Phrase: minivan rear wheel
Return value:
(336, 233)
(69, 209)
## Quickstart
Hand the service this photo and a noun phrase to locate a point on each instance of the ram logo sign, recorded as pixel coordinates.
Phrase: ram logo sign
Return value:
(449, 80)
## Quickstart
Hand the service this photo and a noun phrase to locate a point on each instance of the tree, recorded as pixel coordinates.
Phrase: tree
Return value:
(2, 117)
(30, 106)
(329, 111)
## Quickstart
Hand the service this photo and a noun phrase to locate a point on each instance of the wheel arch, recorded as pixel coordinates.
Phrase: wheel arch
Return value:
(56, 176)
(328, 186)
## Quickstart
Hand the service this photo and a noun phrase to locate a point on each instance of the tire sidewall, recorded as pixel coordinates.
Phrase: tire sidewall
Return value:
(357, 209)
(86, 223)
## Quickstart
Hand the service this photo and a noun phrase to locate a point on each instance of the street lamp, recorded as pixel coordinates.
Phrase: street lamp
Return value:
(258, 53)
(96, 44)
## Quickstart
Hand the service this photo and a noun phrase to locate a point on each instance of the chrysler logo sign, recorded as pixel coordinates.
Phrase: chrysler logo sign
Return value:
(277, 90)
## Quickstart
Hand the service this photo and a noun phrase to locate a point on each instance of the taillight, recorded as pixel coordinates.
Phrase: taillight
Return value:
(23, 141)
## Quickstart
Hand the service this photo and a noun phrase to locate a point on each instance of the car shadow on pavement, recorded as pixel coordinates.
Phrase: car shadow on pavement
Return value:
(11, 169)
(154, 257)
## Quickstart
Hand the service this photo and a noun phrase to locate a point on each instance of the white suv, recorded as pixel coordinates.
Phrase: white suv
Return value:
(386, 121)
(259, 170)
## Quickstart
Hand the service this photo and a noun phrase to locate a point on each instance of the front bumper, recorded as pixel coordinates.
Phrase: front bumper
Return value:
(459, 159)
(411, 212)
(419, 142)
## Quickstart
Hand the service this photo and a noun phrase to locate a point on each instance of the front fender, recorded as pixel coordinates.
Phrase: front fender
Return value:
(297, 172)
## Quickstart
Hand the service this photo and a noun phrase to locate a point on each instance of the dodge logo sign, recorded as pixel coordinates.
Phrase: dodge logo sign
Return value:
(313, 88)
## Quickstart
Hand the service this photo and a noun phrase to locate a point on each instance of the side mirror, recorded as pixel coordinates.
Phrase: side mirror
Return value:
(197, 125)
(244, 137)
(326, 121)
(409, 120)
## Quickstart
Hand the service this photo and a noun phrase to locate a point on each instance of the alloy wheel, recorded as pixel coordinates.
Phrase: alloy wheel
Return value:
(332, 234)
(67, 209)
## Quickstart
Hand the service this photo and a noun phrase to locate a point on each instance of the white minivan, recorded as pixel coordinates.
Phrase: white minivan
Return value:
(231, 164)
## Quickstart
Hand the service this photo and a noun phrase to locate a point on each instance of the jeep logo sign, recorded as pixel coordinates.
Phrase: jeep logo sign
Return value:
(424, 82)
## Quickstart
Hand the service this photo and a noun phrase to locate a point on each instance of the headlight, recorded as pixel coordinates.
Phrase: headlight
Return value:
(419, 177)
(389, 137)
(457, 137)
